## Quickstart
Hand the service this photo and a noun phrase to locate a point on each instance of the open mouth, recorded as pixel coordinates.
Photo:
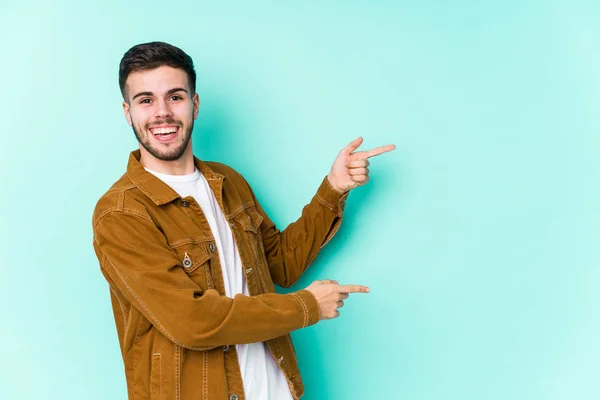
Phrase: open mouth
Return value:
(164, 133)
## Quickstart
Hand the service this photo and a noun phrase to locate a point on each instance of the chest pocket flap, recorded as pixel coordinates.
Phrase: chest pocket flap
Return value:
(193, 254)
(249, 218)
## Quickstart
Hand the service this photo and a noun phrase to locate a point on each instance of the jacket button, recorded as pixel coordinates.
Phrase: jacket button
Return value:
(185, 203)
(212, 247)
(187, 261)
(248, 270)
(233, 397)
(280, 360)
(226, 348)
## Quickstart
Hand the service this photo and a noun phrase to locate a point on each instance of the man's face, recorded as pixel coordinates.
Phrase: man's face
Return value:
(161, 110)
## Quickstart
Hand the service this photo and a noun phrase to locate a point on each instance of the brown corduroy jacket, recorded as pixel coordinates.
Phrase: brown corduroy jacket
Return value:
(175, 325)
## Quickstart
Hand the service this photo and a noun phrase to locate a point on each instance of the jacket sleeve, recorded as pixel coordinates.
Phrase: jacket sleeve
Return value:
(292, 250)
(135, 257)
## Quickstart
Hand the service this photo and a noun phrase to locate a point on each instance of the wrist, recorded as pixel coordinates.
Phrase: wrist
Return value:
(334, 186)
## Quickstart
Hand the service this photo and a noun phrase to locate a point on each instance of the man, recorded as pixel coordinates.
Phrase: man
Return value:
(191, 258)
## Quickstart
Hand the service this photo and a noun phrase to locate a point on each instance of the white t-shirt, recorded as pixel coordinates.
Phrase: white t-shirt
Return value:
(263, 380)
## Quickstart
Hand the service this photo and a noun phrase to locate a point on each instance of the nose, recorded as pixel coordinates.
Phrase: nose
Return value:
(163, 110)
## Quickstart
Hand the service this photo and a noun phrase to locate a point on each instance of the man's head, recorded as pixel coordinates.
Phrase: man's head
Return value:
(158, 84)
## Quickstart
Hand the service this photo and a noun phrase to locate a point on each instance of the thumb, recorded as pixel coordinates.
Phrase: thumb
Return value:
(355, 144)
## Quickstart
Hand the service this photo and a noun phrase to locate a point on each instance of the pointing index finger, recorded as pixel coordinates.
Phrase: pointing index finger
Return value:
(374, 152)
(380, 150)
(353, 289)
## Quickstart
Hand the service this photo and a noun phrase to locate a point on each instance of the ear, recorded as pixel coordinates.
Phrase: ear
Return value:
(127, 113)
(196, 100)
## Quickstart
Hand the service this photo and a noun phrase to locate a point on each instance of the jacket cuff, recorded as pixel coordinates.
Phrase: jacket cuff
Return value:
(331, 198)
(309, 306)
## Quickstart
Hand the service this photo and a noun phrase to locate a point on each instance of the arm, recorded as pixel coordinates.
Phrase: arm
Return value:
(291, 251)
(134, 255)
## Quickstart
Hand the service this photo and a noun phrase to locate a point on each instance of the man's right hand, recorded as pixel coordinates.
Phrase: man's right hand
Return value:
(331, 296)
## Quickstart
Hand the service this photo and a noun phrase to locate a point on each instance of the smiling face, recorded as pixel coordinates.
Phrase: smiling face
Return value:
(161, 109)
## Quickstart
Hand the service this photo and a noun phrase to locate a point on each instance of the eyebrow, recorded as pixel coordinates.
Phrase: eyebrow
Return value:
(171, 91)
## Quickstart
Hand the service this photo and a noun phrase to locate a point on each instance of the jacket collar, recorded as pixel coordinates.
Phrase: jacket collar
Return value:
(158, 191)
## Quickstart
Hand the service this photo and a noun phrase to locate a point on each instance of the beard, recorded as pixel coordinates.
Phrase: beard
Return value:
(175, 151)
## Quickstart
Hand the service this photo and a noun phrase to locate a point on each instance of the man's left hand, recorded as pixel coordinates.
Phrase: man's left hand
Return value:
(351, 169)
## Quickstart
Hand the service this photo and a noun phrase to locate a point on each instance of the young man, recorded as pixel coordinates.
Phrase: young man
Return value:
(191, 258)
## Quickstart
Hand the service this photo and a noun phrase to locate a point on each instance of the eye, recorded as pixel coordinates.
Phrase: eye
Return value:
(176, 97)
(145, 101)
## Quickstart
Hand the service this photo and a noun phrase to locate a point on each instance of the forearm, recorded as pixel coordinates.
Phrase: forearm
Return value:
(138, 264)
(291, 251)
(199, 320)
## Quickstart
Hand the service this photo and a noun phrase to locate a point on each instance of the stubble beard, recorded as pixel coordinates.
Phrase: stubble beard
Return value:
(170, 154)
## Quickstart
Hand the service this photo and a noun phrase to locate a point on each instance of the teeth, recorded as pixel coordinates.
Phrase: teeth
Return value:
(164, 131)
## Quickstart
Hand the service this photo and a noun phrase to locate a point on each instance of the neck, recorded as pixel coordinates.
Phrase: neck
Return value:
(184, 165)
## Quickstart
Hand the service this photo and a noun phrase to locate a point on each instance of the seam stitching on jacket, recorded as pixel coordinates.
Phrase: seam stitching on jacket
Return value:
(205, 375)
(257, 261)
(306, 312)
(304, 309)
(210, 284)
(135, 344)
(177, 372)
(133, 212)
(159, 374)
(121, 199)
(262, 280)
(124, 211)
(120, 305)
(238, 210)
(105, 212)
(143, 190)
(326, 203)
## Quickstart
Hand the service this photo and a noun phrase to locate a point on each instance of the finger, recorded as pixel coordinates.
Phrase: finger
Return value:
(353, 289)
(380, 150)
(358, 164)
(360, 179)
(358, 171)
(362, 155)
(337, 314)
(344, 296)
(355, 144)
(340, 304)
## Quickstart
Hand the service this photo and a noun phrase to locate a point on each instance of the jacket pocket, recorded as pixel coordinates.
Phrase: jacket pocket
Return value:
(250, 219)
(194, 258)
(156, 377)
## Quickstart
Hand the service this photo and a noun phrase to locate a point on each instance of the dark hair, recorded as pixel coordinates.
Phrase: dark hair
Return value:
(147, 56)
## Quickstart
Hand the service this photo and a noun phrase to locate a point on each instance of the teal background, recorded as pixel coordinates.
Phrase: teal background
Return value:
(478, 236)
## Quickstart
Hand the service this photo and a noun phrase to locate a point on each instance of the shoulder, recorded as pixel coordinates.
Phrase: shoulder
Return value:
(122, 197)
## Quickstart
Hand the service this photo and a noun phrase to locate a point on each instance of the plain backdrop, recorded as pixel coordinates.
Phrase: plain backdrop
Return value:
(478, 236)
